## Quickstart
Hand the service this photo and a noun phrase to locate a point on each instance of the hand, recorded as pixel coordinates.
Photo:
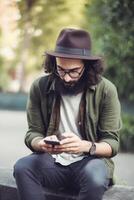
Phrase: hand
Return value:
(48, 147)
(72, 144)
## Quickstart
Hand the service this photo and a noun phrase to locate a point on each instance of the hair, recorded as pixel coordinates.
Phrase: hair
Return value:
(94, 68)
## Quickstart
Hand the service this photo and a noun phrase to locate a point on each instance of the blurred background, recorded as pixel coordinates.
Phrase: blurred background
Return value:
(28, 28)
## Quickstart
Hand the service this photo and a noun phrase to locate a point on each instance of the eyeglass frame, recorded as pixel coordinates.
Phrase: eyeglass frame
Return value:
(67, 71)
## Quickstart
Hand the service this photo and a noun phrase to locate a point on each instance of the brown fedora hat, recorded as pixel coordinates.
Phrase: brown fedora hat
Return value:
(73, 43)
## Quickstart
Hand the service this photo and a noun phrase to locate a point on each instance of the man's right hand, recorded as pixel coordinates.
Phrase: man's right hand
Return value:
(40, 145)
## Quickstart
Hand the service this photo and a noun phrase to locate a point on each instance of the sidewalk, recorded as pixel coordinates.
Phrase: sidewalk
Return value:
(13, 127)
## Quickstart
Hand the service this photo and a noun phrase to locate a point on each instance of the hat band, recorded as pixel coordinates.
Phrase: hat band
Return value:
(72, 51)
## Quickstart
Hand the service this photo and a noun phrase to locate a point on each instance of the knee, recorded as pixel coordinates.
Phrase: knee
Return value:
(32, 163)
(25, 164)
(20, 167)
(97, 181)
(95, 174)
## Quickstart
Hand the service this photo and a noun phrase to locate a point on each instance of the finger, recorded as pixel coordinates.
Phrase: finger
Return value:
(43, 149)
(67, 147)
(43, 144)
(56, 151)
(73, 144)
(67, 140)
(46, 149)
(70, 150)
(50, 150)
(47, 145)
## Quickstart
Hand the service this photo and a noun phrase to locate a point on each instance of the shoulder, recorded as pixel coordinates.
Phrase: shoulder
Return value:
(106, 85)
(39, 80)
(40, 86)
(41, 83)
(107, 88)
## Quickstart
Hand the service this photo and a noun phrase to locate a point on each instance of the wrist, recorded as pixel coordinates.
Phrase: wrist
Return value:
(87, 145)
(92, 150)
(35, 143)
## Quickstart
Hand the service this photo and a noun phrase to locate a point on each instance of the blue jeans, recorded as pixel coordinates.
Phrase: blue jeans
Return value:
(35, 172)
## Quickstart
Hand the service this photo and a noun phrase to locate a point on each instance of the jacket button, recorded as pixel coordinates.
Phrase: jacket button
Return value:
(79, 123)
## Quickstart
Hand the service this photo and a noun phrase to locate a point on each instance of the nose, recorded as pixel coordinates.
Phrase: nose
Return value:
(67, 78)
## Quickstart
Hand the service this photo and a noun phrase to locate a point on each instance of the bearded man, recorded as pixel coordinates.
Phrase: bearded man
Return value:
(73, 117)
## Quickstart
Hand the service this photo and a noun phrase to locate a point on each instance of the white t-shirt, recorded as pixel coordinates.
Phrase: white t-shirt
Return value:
(69, 109)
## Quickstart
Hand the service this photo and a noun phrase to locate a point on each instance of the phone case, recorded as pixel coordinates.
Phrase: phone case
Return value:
(52, 142)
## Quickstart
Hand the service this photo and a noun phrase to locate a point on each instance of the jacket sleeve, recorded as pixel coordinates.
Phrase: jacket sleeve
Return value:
(109, 119)
(34, 115)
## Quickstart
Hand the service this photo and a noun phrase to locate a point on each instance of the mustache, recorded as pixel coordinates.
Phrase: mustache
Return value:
(69, 84)
(72, 87)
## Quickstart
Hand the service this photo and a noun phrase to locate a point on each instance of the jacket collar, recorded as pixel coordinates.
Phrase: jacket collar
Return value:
(92, 87)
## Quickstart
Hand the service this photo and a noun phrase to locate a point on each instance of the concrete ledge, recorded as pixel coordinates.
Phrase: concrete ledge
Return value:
(8, 190)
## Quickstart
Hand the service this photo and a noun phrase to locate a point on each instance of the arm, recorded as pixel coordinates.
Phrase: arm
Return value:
(108, 127)
(36, 128)
(73, 144)
(109, 122)
(36, 133)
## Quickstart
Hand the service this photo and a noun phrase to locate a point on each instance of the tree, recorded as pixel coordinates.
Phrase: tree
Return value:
(40, 23)
(4, 77)
(111, 25)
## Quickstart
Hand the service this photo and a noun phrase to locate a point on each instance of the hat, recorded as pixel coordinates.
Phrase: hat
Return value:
(73, 43)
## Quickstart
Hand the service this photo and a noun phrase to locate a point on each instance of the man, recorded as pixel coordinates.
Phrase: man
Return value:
(77, 107)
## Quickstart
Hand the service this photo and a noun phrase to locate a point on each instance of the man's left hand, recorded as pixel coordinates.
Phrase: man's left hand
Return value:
(72, 144)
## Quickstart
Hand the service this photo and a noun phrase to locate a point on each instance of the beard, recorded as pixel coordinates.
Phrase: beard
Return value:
(72, 87)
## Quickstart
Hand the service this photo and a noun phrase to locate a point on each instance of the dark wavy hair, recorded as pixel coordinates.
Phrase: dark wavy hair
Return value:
(94, 68)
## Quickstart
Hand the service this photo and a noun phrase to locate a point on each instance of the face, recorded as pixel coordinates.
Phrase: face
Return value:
(70, 76)
(69, 70)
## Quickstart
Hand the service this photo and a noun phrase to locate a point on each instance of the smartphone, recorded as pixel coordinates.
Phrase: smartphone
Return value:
(52, 142)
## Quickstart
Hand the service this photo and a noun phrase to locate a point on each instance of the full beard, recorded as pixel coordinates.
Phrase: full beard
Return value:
(73, 87)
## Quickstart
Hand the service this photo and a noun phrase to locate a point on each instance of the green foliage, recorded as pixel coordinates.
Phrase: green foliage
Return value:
(41, 21)
(110, 23)
(5, 64)
(36, 26)
(127, 134)
(4, 77)
(3, 72)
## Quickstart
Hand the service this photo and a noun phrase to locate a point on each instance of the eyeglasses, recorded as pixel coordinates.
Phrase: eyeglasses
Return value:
(71, 72)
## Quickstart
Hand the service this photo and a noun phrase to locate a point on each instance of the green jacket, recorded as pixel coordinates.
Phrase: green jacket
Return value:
(102, 113)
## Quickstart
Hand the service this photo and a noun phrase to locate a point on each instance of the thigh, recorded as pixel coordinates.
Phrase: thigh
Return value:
(96, 170)
(35, 162)
(92, 171)
(44, 168)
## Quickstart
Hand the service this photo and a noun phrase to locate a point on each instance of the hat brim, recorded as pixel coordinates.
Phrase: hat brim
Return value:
(62, 55)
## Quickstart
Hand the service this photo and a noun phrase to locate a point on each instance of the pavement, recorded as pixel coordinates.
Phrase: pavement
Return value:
(13, 126)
